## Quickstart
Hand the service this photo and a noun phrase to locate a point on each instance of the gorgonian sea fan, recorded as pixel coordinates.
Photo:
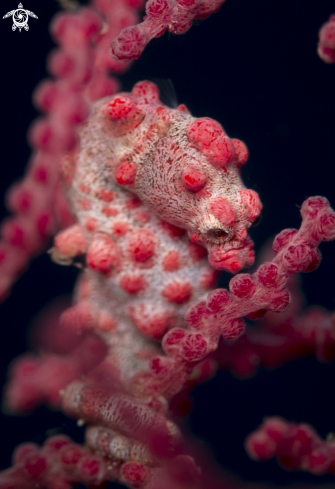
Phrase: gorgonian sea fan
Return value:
(138, 250)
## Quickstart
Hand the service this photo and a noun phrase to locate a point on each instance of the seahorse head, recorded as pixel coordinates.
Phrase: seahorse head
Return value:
(185, 169)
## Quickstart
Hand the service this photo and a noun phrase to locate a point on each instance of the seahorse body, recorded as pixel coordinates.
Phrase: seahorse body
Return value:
(153, 189)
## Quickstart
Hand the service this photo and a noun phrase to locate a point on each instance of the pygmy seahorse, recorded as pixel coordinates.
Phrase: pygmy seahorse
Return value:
(154, 190)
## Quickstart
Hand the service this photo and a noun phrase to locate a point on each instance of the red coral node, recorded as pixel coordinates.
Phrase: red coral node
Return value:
(91, 22)
(326, 46)
(234, 329)
(172, 340)
(282, 239)
(326, 226)
(194, 347)
(267, 274)
(318, 460)
(71, 454)
(298, 258)
(313, 205)
(51, 137)
(40, 174)
(23, 451)
(195, 313)
(281, 301)
(55, 443)
(130, 44)
(302, 439)
(276, 428)
(174, 336)
(45, 95)
(260, 446)
(89, 466)
(242, 285)
(180, 25)
(20, 198)
(61, 64)
(35, 465)
(217, 300)
(157, 8)
(134, 473)
(61, 24)
(316, 258)
(19, 233)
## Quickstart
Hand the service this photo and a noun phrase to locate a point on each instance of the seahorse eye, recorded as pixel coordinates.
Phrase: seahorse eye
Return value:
(217, 234)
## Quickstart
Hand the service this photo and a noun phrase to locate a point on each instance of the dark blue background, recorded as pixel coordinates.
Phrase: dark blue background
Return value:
(253, 67)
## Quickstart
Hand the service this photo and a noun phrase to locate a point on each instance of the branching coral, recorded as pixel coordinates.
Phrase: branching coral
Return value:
(125, 399)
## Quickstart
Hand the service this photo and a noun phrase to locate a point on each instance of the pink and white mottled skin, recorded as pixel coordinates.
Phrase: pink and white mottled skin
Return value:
(141, 173)
(151, 271)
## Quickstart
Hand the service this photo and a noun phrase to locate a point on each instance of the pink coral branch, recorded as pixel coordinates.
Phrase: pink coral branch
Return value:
(296, 446)
(153, 190)
(80, 68)
(326, 45)
(176, 16)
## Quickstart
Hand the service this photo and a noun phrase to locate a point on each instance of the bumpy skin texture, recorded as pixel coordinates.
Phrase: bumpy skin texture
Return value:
(140, 174)
(141, 178)
(143, 273)
(183, 169)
